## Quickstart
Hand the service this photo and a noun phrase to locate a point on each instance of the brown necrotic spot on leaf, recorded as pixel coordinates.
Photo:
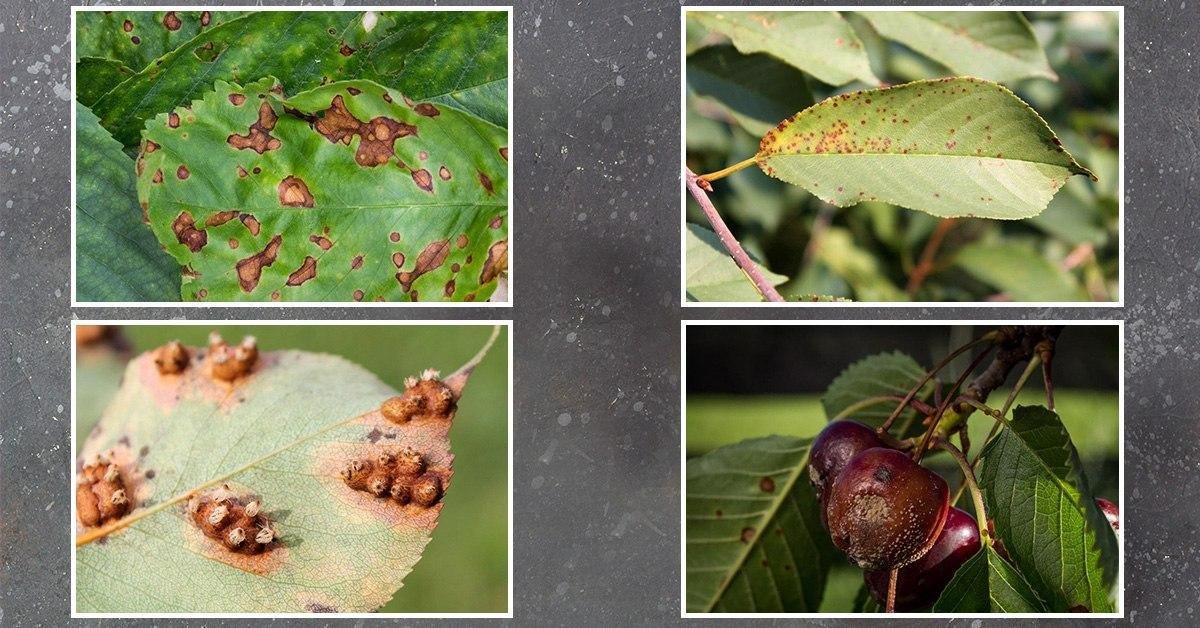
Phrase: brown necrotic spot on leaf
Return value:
(449, 289)
(173, 120)
(462, 241)
(431, 258)
(237, 99)
(205, 18)
(307, 270)
(150, 147)
(258, 138)
(444, 173)
(209, 52)
(158, 176)
(321, 241)
(127, 26)
(496, 223)
(345, 50)
(294, 193)
(485, 181)
(376, 137)
(496, 263)
(250, 269)
(354, 91)
(182, 172)
(427, 110)
(504, 152)
(356, 263)
(171, 21)
(241, 172)
(187, 234)
(219, 218)
(423, 155)
(394, 236)
(358, 295)
(387, 97)
(455, 267)
(423, 179)
(233, 243)
(398, 259)
(251, 223)
(136, 40)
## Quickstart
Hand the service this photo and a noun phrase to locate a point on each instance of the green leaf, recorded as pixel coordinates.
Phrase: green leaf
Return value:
(994, 45)
(439, 56)
(988, 584)
(282, 433)
(116, 257)
(820, 43)
(1072, 218)
(757, 90)
(136, 38)
(857, 266)
(356, 194)
(98, 369)
(1036, 492)
(712, 275)
(890, 373)
(950, 147)
(1019, 271)
(754, 541)
(95, 77)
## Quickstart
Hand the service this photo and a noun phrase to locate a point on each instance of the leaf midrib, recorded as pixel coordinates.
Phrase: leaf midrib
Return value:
(760, 156)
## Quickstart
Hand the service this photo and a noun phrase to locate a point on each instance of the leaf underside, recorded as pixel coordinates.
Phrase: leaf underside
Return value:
(754, 541)
(339, 550)
(348, 191)
(948, 147)
(117, 259)
(988, 584)
(1044, 510)
(994, 45)
(712, 275)
(821, 43)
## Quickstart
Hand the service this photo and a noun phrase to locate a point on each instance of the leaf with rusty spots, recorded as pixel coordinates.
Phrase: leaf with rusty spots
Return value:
(457, 58)
(994, 45)
(948, 147)
(344, 179)
(281, 435)
(109, 34)
(116, 258)
(821, 43)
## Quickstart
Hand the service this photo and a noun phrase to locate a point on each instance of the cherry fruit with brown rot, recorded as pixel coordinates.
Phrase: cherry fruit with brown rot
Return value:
(919, 584)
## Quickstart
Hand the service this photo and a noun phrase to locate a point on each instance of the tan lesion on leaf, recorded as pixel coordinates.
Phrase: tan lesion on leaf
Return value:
(258, 138)
(186, 233)
(496, 262)
(293, 192)
(307, 271)
(377, 136)
(431, 258)
(249, 270)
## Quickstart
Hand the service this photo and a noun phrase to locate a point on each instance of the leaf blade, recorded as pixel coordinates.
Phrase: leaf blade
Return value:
(757, 90)
(987, 584)
(712, 275)
(1019, 271)
(951, 147)
(884, 374)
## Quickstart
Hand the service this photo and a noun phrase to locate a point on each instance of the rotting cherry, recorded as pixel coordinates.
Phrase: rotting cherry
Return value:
(885, 511)
(919, 584)
(1111, 513)
(833, 448)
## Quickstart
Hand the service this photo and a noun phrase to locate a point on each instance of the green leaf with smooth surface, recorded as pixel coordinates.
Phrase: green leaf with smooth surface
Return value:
(950, 147)
(98, 370)
(820, 43)
(137, 38)
(1036, 492)
(890, 373)
(282, 433)
(988, 584)
(327, 202)
(1019, 271)
(712, 275)
(754, 540)
(438, 56)
(756, 89)
(95, 77)
(994, 45)
(116, 256)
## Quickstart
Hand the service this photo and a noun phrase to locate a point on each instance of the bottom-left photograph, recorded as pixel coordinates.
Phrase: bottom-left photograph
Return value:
(292, 468)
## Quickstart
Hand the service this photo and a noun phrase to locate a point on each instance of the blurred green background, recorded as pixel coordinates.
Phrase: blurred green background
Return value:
(714, 419)
(867, 252)
(465, 567)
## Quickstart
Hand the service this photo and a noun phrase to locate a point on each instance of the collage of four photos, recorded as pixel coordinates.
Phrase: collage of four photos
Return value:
(344, 157)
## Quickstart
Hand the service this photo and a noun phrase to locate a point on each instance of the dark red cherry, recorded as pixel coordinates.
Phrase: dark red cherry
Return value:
(1111, 512)
(833, 448)
(884, 510)
(919, 584)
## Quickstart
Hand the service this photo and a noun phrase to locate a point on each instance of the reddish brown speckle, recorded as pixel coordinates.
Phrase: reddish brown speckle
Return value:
(427, 110)
(423, 179)
(173, 120)
(171, 21)
(182, 172)
(394, 237)
(747, 534)
(237, 99)
(398, 259)
(358, 295)
(444, 173)
(127, 26)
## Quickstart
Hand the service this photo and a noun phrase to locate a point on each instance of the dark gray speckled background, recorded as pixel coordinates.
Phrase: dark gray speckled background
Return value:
(596, 285)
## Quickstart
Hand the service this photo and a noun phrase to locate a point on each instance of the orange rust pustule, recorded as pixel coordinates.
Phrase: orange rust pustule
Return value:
(187, 234)
(238, 523)
(249, 270)
(229, 363)
(101, 496)
(496, 262)
(172, 358)
(431, 258)
(400, 476)
(258, 138)
(377, 136)
(427, 399)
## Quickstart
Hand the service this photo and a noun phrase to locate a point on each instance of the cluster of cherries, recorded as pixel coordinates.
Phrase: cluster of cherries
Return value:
(885, 511)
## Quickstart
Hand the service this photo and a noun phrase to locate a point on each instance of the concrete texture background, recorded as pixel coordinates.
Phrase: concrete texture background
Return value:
(596, 293)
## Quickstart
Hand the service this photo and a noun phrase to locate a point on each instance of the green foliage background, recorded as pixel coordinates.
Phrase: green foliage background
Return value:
(867, 252)
(465, 567)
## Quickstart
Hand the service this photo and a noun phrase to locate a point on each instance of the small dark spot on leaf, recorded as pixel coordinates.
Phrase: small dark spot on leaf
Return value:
(766, 485)
(398, 259)
(394, 236)
(136, 40)
(444, 173)
(486, 182)
(354, 91)
(237, 99)
(449, 289)
(356, 263)
(173, 120)
(345, 50)
(158, 176)
(747, 534)
(182, 172)
(171, 21)
(454, 268)
(496, 223)
(205, 18)
(423, 179)
(127, 26)
(321, 241)
(427, 110)
(358, 295)
(504, 152)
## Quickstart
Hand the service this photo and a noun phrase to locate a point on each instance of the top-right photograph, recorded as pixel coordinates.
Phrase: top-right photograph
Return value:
(902, 157)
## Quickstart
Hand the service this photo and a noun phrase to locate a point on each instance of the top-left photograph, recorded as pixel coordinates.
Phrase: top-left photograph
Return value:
(300, 156)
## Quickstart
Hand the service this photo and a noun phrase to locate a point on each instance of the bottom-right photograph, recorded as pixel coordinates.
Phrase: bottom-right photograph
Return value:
(910, 467)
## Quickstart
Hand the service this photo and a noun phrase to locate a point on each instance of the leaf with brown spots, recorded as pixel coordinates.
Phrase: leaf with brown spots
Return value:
(102, 33)
(340, 163)
(271, 447)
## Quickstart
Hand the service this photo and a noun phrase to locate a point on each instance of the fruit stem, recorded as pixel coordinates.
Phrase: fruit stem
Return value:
(891, 596)
(937, 418)
(696, 186)
(988, 337)
(969, 480)
(725, 172)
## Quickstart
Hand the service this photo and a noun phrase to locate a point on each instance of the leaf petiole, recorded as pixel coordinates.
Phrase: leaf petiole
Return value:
(725, 172)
